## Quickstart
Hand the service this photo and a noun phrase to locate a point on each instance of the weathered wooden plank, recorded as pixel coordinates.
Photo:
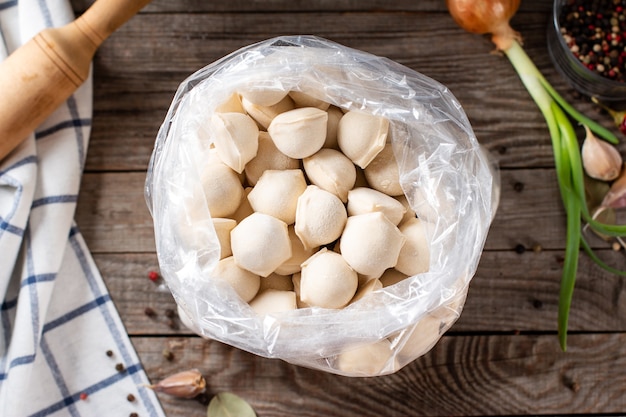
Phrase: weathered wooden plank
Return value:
(462, 375)
(510, 292)
(113, 215)
(200, 6)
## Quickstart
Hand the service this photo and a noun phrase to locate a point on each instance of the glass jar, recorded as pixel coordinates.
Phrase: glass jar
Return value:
(586, 81)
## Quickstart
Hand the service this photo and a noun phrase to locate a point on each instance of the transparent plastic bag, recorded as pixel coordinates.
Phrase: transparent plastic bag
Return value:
(446, 176)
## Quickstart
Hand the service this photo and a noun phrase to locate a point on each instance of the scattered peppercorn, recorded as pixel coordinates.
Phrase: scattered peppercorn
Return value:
(518, 186)
(169, 313)
(133, 415)
(119, 367)
(172, 324)
(519, 248)
(109, 353)
(153, 276)
(149, 311)
(595, 32)
(167, 354)
(83, 396)
(570, 383)
(130, 397)
(537, 248)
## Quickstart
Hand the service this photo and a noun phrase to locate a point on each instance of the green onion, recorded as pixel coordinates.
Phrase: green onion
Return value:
(493, 17)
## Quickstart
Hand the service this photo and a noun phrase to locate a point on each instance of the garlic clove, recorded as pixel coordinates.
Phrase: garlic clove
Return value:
(186, 384)
(616, 197)
(601, 160)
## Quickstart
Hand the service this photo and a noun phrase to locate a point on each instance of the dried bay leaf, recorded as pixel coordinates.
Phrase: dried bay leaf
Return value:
(226, 404)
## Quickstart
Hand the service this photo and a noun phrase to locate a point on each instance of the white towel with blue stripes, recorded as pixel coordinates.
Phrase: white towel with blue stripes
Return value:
(63, 348)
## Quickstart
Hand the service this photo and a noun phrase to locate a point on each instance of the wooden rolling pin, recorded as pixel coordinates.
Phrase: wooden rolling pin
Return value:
(40, 75)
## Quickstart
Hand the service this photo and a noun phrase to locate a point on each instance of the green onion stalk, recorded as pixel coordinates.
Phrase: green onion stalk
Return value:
(492, 16)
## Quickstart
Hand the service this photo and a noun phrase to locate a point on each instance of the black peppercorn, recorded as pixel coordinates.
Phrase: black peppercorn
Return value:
(595, 32)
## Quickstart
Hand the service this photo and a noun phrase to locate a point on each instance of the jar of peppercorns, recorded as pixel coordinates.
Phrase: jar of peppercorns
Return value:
(587, 43)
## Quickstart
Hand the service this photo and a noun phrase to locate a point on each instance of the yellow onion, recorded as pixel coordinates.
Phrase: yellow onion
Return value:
(485, 16)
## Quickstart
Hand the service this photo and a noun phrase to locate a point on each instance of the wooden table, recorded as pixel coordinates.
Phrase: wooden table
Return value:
(502, 357)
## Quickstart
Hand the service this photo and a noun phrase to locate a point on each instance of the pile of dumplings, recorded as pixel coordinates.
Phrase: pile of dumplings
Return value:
(306, 202)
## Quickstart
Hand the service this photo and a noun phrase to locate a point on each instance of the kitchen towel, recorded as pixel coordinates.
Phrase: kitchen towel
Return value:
(63, 348)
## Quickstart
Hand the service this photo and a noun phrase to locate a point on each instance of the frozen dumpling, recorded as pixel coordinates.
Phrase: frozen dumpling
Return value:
(382, 173)
(267, 157)
(263, 97)
(222, 188)
(363, 200)
(361, 136)
(331, 171)
(370, 243)
(223, 227)
(298, 255)
(414, 256)
(367, 360)
(305, 100)
(277, 193)
(273, 301)
(260, 243)
(245, 283)
(299, 133)
(327, 281)
(236, 138)
(320, 217)
(232, 105)
(264, 115)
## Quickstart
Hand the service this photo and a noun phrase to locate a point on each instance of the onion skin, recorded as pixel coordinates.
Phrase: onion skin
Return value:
(486, 16)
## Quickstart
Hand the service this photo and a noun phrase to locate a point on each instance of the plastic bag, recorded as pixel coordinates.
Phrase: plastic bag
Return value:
(447, 178)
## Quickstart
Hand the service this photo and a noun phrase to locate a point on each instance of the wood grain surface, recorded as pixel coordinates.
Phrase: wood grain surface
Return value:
(502, 356)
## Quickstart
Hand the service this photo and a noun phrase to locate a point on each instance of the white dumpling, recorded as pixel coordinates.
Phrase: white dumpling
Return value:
(363, 200)
(367, 360)
(223, 227)
(273, 301)
(382, 173)
(277, 193)
(232, 105)
(260, 243)
(305, 100)
(262, 96)
(327, 280)
(264, 115)
(222, 188)
(414, 256)
(299, 133)
(267, 157)
(331, 171)
(245, 283)
(236, 138)
(361, 136)
(370, 243)
(298, 255)
(320, 217)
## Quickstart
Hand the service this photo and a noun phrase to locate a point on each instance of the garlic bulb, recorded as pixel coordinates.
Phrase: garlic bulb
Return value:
(616, 197)
(601, 160)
